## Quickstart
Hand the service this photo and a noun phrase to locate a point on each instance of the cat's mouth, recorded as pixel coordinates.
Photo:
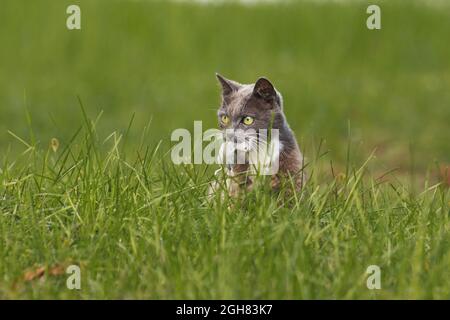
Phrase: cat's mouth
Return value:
(239, 149)
(244, 145)
(250, 149)
(243, 141)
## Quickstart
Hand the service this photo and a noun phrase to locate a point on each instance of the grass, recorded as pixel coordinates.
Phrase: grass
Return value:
(141, 227)
(107, 197)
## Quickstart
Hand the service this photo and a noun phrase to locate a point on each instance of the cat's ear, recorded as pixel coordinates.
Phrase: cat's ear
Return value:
(228, 86)
(264, 89)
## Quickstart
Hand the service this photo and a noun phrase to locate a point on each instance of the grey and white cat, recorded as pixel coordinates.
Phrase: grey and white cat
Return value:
(247, 108)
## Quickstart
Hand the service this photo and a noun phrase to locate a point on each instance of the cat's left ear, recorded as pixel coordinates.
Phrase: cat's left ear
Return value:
(264, 89)
(228, 86)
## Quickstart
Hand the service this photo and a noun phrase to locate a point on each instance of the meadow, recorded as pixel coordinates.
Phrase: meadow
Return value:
(86, 176)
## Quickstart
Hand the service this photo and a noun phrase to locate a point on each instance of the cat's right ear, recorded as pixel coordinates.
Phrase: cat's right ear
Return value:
(228, 86)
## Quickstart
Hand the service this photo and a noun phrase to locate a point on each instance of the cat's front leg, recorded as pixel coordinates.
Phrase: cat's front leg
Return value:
(233, 182)
(240, 180)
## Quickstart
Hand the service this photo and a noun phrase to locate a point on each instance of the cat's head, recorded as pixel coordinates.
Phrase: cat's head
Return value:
(248, 108)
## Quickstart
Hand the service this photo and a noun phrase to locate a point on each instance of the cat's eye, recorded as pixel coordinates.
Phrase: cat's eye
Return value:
(225, 119)
(248, 121)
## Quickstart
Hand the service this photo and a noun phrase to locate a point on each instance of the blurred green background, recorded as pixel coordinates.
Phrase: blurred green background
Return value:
(157, 60)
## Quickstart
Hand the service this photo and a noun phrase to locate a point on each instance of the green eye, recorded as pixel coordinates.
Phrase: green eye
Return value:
(248, 121)
(225, 119)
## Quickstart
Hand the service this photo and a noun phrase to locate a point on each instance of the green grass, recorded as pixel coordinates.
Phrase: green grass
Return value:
(141, 227)
(110, 199)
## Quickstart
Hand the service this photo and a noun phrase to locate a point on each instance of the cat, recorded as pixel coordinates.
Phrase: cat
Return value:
(249, 108)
